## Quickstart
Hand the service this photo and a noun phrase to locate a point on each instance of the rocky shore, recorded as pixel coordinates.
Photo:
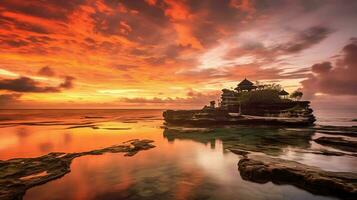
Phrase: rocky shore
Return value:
(19, 174)
(261, 146)
(350, 131)
(262, 169)
(338, 143)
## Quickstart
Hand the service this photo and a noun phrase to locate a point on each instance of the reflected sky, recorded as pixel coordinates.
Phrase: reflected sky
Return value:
(183, 167)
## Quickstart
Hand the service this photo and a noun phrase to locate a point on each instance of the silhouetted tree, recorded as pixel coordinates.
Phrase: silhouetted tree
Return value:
(296, 95)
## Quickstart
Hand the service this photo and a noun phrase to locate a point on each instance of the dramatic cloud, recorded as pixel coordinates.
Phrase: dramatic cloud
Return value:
(165, 47)
(300, 41)
(335, 80)
(25, 84)
(306, 39)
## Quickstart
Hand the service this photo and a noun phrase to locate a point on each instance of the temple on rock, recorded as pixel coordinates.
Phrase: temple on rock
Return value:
(249, 103)
(246, 91)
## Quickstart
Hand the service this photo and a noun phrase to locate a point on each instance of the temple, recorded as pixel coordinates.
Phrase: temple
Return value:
(284, 94)
(245, 85)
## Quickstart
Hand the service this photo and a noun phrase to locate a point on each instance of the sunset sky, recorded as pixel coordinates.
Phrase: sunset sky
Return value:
(173, 54)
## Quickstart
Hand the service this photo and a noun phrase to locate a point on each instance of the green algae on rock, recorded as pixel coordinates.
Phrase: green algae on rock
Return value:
(19, 174)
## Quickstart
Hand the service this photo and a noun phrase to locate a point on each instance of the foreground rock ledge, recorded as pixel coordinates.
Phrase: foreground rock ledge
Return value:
(262, 169)
(338, 143)
(19, 174)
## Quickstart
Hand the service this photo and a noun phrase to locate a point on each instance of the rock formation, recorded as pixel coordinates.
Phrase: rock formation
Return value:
(19, 174)
(262, 169)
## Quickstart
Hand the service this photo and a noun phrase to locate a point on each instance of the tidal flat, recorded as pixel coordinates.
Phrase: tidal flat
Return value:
(186, 163)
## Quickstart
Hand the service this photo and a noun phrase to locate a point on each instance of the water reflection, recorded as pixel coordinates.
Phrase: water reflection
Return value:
(269, 140)
(191, 172)
(22, 133)
(186, 164)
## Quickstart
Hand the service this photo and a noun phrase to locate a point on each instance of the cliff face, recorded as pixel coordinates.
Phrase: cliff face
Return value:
(282, 109)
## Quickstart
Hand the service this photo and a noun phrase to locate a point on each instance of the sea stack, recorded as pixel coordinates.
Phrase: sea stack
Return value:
(249, 103)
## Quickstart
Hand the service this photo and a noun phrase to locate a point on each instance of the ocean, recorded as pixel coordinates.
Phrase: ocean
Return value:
(181, 166)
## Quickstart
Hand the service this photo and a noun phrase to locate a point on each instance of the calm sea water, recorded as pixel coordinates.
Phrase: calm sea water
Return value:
(180, 167)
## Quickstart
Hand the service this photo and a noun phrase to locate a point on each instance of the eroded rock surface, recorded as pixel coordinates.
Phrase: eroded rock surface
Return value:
(338, 143)
(262, 169)
(350, 131)
(19, 174)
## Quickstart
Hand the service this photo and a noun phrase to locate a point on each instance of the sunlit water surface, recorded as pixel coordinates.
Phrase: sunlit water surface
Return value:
(178, 168)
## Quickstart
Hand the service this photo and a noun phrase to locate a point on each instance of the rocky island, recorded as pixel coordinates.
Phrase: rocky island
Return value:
(249, 103)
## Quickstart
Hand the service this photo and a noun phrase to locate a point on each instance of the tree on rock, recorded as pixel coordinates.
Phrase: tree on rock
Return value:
(296, 95)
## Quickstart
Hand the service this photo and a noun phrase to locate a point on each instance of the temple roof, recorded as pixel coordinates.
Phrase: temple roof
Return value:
(245, 82)
(283, 92)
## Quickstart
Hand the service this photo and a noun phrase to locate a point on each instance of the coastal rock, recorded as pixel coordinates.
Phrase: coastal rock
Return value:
(239, 152)
(262, 169)
(338, 143)
(217, 116)
(19, 174)
(350, 131)
(325, 152)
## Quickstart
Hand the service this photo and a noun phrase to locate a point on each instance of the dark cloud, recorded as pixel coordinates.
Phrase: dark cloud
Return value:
(249, 48)
(25, 84)
(321, 68)
(15, 43)
(335, 80)
(50, 9)
(214, 20)
(301, 41)
(306, 39)
(13, 23)
(68, 82)
(46, 71)
(39, 39)
(137, 21)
